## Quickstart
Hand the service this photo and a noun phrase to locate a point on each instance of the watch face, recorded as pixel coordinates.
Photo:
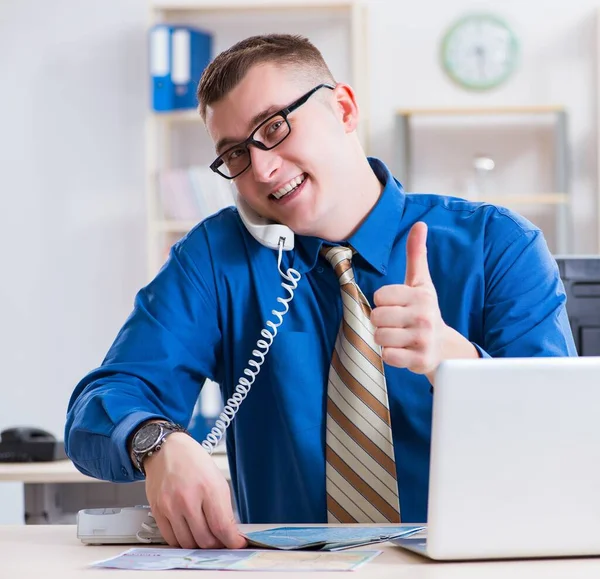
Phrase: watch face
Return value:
(146, 437)
(479, 52)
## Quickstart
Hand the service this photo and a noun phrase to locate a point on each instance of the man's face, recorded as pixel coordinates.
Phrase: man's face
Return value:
(313, 155)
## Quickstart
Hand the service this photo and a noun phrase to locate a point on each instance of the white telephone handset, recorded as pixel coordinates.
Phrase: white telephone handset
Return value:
(267, 232)
(280, 238)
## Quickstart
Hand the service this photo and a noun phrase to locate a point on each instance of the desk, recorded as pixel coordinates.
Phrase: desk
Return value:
(53, 552)
(54, 491)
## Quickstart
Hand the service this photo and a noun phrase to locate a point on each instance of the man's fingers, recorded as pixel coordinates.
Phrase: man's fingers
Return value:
(164, 526)
(391, 317)
(202, 532)
(191, 497)
(219, 515)
(398, 338)
(405, 358)
(184, 534)
(393, 295)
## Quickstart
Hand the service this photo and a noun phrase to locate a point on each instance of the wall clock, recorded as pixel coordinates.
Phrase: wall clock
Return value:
(479, 52)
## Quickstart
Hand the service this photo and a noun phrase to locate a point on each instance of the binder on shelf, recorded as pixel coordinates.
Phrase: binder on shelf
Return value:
(178, 56)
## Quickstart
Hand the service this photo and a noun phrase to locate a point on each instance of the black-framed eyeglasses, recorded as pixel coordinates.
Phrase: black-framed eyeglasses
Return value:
(270, 133)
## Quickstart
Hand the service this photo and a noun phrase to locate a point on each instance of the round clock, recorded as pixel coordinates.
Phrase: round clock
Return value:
(479, 51)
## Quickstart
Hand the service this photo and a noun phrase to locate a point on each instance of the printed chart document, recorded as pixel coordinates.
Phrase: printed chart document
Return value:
(148, 559)
(326, 538)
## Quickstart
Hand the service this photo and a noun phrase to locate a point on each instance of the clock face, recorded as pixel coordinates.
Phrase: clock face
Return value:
(479, 52)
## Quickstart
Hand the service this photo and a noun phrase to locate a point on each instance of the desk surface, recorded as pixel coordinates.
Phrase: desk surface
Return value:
(63, 471)
(52, 552)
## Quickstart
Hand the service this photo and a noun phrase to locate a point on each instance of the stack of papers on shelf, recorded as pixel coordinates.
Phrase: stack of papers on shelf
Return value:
(326, 538)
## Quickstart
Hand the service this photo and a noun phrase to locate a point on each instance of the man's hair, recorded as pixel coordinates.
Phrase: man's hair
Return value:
(230, 66)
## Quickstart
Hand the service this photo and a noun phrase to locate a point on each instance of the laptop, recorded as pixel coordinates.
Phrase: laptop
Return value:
(515, 460)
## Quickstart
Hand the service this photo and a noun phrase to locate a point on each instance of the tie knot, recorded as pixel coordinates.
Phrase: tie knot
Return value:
(341, 259)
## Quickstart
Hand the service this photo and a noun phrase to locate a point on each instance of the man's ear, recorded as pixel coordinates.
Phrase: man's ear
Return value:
(347, 106)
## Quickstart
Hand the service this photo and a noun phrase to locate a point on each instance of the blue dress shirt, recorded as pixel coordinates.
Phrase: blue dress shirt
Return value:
(497, 285)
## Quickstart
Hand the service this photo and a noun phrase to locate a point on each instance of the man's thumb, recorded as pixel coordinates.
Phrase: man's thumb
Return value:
(417, 268)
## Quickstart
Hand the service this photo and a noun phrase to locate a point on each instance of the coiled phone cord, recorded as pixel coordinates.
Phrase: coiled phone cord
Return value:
(291, 276)
(149, 532)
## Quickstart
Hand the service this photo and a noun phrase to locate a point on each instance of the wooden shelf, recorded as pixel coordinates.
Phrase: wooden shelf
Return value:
(559, 199)
(516, 110)
(254, 5)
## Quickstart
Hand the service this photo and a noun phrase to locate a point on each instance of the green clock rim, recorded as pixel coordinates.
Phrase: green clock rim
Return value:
(460, 22)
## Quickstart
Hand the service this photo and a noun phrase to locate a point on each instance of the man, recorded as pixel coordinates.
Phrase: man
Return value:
(446, 279)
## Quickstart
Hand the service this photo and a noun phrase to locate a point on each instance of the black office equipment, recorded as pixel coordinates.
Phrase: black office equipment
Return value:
(28, 444)
(581, 277)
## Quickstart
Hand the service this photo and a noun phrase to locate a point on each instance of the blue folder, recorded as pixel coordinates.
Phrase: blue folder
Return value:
(178, 56)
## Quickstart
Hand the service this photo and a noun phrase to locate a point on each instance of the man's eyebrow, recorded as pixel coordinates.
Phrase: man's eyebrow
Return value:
(254, 122)
(222, 143)
(260, 117)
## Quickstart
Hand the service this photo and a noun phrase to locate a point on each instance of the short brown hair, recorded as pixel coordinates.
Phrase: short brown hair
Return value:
(231, 65)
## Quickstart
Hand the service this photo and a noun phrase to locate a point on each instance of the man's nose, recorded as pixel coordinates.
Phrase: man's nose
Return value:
(264, 164)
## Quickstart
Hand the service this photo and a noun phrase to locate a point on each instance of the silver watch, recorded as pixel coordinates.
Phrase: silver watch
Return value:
(149, 439)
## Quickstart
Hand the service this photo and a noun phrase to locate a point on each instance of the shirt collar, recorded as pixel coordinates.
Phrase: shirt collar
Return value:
(374, 239)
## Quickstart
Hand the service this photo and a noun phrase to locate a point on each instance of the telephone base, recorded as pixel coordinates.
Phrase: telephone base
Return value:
(117, 526)
(32, 451)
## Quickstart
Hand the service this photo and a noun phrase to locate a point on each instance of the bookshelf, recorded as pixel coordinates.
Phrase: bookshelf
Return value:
(558, 197)
(176, 141)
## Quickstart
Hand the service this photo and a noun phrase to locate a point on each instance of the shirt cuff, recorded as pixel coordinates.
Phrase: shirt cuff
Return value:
(121, 461)
(482, 353)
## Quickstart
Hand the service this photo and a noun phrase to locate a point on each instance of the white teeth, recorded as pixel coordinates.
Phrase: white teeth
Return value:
(288, 187)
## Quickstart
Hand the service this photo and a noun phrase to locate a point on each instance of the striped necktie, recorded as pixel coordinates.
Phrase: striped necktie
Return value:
(360, 467)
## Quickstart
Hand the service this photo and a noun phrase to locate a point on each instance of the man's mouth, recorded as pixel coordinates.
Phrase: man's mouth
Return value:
(289, 188)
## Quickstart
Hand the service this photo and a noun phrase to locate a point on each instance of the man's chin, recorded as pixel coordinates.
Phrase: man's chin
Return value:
(304, 223)
(301, 228)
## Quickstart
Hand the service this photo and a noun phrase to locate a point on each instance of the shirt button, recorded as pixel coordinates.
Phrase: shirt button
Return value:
(124, 470)
(320, 269)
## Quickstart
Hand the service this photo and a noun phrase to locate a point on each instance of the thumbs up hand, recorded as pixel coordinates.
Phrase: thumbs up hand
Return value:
(407, 318)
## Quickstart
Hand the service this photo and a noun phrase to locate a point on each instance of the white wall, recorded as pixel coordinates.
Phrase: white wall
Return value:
(72, 110)
(558, 67)
(72, 104)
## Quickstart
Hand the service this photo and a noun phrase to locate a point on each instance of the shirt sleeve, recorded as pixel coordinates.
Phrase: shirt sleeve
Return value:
(156, 366)
(525, 303)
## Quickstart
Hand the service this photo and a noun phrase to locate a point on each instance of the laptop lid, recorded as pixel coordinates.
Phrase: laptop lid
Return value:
(515, 458)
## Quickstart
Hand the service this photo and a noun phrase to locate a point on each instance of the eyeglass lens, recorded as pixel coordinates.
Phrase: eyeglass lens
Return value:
(270, 135)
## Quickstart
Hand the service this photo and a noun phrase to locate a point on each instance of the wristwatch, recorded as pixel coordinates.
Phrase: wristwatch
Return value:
(149, 439)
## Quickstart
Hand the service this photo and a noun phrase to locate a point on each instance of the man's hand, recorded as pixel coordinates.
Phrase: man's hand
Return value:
(189, 497)
(407, 319)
